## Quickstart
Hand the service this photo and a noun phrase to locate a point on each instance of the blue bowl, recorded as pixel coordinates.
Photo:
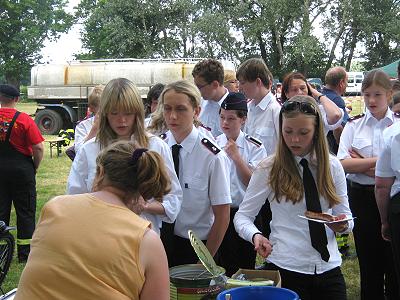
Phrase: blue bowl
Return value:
(259, 293)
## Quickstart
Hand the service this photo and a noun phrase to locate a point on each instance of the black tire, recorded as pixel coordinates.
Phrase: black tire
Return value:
(48, 121)
(6, 254)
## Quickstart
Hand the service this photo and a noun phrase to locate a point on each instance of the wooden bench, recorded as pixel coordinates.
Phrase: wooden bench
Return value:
(58, 143)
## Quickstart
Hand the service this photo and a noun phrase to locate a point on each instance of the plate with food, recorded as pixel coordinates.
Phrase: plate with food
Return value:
(324, 217)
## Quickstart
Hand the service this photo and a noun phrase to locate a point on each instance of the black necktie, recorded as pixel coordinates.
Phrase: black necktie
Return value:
(317, 230)
(175, 157)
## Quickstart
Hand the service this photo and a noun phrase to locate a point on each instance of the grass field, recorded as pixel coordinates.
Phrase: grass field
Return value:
(51, 181)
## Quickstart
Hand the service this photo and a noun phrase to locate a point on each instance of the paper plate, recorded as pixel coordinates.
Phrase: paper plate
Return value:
(204, 255)
(326, 222)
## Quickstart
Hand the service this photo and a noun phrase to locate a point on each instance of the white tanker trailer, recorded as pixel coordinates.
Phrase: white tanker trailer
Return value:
(61, 90)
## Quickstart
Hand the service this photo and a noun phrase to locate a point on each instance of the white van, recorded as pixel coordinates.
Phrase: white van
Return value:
(354, 83)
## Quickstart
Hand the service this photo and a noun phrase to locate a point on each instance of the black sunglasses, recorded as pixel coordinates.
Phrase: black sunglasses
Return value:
(303, 107)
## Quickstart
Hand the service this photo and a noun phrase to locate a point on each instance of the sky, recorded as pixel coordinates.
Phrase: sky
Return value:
(62, 50)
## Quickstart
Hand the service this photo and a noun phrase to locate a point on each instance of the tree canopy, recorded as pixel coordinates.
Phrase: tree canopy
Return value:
(281, 32)
(24, 26)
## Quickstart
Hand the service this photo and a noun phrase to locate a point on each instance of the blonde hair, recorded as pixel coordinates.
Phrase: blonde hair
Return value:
(145, 175)
(285, 179)
(95, 96)
(121, 95)
(158, 124)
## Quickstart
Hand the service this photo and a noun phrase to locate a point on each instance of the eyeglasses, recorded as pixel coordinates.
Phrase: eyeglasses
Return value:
(303, 107)
(201, 86)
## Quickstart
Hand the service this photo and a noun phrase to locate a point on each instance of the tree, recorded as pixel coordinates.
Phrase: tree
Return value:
(139, 29)
(24, 26)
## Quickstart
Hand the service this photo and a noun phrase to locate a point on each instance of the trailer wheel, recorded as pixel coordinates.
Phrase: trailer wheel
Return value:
(48, 121)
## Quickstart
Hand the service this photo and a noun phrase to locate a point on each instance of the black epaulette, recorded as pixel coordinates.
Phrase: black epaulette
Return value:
(205, 127)
(356, 117)
(253, 140)
(163, 136)
(210, 146)
(396, 114)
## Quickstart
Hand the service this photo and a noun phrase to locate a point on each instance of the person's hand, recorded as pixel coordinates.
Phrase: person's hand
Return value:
(262, 245)
(313, 91)
(354, 154)
(370, 172)
(339, 226)
(139, 206)
(385, 230)
(232, 150)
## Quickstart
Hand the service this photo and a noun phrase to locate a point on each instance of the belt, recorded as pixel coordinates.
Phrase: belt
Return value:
(365, 187)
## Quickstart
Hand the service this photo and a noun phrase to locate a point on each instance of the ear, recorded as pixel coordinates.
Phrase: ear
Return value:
(389, 96)
(98, 180)
(215, 84)
(197, 111)
(243, 121)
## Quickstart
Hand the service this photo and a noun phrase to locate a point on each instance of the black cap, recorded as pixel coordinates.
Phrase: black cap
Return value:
(9, 91)
(235, 101)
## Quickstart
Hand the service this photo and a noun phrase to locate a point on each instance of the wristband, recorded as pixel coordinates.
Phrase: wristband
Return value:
(252, 238)
(319, 98)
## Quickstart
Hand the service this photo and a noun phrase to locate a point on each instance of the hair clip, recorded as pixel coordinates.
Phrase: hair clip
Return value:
(137, 154)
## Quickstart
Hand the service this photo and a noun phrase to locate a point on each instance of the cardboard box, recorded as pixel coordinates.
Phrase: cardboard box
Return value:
(275, 276)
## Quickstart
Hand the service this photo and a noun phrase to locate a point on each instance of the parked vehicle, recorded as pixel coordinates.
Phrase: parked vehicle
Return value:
(61, 90)
(354, 83)
(316, 82)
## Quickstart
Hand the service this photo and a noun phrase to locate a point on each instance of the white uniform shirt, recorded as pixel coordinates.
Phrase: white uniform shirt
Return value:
(209, 114)
(290, 235)
(81, 131)
(251, 153)
(204, 178)
(83, 171)
(365, 136)
(388, 164)
(327, 126)
(263, 121)
(147, 121)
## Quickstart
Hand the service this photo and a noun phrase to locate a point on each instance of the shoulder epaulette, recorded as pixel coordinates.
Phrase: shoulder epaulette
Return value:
(356, 117)
(210, 146)
(205, 127)
(396, 114)
(163, 136)
(253, 140)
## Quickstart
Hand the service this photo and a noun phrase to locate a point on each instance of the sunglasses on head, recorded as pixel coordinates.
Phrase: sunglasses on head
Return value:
(304, 107)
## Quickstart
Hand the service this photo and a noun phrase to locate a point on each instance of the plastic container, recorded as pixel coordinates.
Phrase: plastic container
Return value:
(259, 293)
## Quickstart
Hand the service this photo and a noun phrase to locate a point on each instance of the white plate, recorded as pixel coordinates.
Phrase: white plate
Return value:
(327, 222)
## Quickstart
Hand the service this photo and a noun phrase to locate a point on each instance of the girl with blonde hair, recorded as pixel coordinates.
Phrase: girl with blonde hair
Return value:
(203, 172)
(300, 176)
(121, 117)
(94, 245)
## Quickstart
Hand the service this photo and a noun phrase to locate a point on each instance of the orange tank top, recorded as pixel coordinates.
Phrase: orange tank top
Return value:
(84, 248)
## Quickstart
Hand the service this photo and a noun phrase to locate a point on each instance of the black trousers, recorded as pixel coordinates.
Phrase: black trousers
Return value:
(18, 186)
(394, 221)
(327, 286)
(234, 251)
(375, 257)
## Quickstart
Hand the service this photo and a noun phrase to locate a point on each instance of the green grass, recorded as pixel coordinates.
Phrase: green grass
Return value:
(51, 181)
